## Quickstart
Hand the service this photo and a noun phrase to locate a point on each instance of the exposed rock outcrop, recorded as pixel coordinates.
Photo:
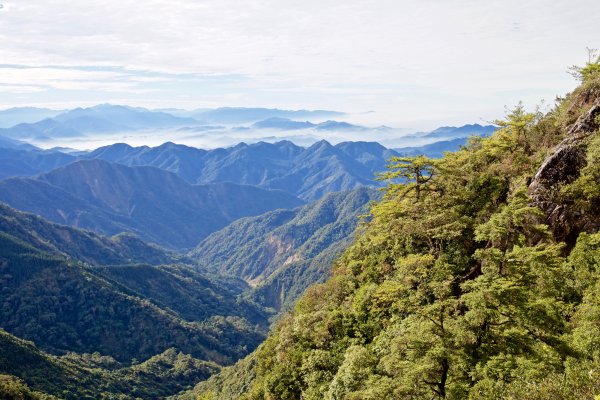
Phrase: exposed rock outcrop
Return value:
(561, 168)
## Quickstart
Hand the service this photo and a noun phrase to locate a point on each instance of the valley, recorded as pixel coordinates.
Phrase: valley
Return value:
(271, 270)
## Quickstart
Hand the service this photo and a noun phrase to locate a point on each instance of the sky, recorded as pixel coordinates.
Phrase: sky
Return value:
(402, 63)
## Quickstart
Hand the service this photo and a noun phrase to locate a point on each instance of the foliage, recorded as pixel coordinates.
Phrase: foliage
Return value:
(12, 388)
(590, 70)
(456, 289)
(91, 376)
(81, 245)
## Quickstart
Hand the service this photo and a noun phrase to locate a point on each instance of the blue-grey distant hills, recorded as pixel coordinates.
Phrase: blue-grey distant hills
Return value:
(447, 138)
(453, 132)
(435, 149)
(18, 115)
(44, 125)
(287, 124)
(104, 118)
(242, 115)
(308, 173)
(156, 205)
(7, 143)
(18, 161)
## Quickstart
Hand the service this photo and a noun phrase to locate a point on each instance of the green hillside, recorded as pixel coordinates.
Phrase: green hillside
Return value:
(283, 252)
(81, 245)
(91, 376)
(63, 305)
(478, 277)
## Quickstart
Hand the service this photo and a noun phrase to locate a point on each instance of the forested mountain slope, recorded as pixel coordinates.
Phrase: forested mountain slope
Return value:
(157, 205)
(78, 244)
(62, 306)
(283, 252)
(477, 278)
(127, 312)
(92, 376)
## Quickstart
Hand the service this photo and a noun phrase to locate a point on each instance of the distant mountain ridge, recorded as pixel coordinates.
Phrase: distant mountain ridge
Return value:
(237, 115)
(157, 205)
(288, 124)
(17, 115)
(453, 132)
(43, 124)
(308, 173)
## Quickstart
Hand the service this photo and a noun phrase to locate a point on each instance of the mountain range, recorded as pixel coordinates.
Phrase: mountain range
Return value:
(95, 305)
(144, 270)
(241, 115)
(288, 124)
(43, 124)
(18, 115)
(307, 173)
(92, 126)
(155, 204)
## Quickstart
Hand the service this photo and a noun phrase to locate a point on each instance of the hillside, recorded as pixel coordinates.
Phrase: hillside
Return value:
(22, 161)
(283, 252)
(62, 306)
(156, 205)
(91, 375)
(81, 245)
(477, 278)
(50, 297)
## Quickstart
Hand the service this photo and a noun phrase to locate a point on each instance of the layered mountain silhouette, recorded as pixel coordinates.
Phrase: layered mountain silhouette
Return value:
(308, 173)
(157, 205)
(240, 115)
(17, 115)
(25, 161)
(104, 118)
(290, 125)
(43, 124)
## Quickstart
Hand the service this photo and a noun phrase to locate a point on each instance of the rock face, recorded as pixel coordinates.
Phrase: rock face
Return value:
(561, 168)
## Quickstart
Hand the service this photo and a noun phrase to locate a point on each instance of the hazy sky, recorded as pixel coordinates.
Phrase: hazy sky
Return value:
(415, 64)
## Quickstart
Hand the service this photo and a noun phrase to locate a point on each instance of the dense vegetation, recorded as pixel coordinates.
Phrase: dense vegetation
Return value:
(283, 252)
(92, 376)
(477, 277)
(63, 305)
(81, 245)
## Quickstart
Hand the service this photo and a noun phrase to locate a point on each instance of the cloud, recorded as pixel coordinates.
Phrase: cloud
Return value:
(20, 88)
(411, 60)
